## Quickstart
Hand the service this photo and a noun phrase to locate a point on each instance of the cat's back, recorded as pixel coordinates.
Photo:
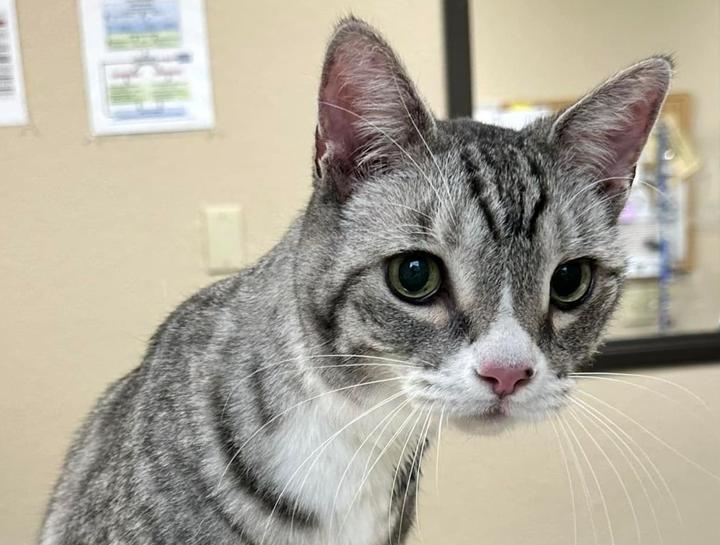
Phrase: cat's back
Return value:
(132, 462)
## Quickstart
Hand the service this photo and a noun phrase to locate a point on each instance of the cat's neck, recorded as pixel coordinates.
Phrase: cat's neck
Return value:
(352, 464)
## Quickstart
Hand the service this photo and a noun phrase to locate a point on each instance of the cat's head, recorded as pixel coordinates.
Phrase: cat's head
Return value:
(486, 258)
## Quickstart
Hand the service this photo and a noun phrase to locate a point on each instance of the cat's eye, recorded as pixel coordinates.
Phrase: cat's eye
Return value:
(570, 283)
(414, 277)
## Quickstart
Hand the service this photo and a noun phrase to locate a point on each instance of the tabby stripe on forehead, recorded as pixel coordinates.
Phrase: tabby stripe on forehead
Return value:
(535, 170)
(538, 209)
(475, 186)
(249, 480)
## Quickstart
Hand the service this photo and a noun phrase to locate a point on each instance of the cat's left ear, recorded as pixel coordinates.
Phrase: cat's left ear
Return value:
(604, 133)
(368, 109)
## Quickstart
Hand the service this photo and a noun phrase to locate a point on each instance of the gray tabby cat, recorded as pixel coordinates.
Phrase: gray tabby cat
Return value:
(440, 268)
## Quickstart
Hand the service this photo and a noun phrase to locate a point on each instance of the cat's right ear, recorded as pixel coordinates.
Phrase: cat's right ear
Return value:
(603, 134)
(368, 109)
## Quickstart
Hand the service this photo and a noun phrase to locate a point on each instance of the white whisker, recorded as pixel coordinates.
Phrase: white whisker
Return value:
(645, 454)
(397, 470)
(583, 480)
(595, 478)
(388, 362)
(619, 443)
(662, 380)
(658, 439)
(377, 460)
(423, 444)
(437, 451)
(385, 423)
(414, 467)
(427, 216)
(571, 486)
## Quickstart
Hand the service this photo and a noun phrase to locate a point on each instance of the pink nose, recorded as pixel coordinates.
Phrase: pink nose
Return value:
(504, 379)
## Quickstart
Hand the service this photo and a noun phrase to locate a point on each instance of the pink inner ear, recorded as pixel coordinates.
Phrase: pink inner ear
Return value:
(339, 114)
(626, 143)
(336, 124)
(605, 131)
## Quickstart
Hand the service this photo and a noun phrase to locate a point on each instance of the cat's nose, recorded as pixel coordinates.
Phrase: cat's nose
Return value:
(504, 379)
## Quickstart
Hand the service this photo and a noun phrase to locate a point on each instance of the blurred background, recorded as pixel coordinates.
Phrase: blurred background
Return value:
(102, 236)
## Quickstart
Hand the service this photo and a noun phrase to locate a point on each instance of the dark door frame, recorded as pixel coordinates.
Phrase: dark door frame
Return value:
(630, 353)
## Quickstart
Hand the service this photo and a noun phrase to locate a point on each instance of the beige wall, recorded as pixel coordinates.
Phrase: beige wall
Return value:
(101, 238)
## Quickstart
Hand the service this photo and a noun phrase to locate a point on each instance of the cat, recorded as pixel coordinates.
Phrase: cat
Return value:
(441, 269)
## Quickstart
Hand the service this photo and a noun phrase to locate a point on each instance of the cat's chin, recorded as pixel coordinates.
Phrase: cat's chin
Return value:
(484, 424)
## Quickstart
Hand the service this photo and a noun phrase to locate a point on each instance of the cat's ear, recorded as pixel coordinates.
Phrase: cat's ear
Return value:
(368, 109)
(605, 131)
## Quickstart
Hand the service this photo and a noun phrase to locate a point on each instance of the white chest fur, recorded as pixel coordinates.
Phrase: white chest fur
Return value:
(342, 462)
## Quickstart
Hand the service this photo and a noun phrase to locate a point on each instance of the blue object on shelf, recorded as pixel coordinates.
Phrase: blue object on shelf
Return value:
(664, 220)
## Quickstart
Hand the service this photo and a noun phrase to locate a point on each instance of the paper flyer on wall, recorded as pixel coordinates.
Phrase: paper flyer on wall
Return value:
(13, 110)
(146, 64)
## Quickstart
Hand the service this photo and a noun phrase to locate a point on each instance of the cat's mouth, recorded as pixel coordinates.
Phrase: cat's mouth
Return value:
(503, 413)
(497, 411)
(494, 420)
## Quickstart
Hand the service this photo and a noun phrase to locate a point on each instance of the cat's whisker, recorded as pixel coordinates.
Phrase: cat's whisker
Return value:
(662, 380)
(427, 216)
(415, 226)
(653, 391)
(391, 139)
(423, 443)
(414, 468)
(664, 443)
(425, 233)
(583, 480)
(384, 423)
(388, 362)
(366, 475)
(571, 486)
(293, 407)
(594, 475)
(617, 431)
(375, 448)
(401, 458)
(619, 443)
(645, 454)
(437, 450)
(319, 450)
(657, 190)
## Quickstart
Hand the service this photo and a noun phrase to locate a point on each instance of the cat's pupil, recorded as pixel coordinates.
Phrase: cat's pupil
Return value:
(567, 279)
(414, 274)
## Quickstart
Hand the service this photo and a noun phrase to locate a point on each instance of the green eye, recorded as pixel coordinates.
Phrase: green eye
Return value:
(570, 283)
(414, 277)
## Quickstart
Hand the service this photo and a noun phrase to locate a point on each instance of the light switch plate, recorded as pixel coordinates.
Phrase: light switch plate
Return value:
(223, 238)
